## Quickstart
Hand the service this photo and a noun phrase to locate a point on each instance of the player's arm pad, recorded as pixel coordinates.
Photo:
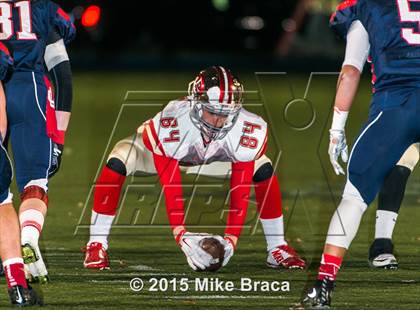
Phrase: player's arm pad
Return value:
(358, 46)
(61, 77)
(55, 51)
(58, 65)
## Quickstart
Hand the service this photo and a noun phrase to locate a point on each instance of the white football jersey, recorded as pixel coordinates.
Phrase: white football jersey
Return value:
(173, 134)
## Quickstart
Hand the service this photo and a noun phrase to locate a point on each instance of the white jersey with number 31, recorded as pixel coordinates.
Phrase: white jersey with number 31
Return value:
(172, 134)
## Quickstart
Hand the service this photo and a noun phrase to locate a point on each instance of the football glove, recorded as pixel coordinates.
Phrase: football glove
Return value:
(197, 258)
(337, 148)
(229, 248)
(56, 158)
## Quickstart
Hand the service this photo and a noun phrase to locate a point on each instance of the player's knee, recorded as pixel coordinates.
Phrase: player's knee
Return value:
(345, 222)
(126, 153)
(117, 166)
(265, 172)
(410, 158)
(34, 191)
(263, 169)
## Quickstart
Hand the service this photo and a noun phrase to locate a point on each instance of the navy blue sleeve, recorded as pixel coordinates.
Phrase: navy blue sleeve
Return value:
(6, 61)
(343, 17)
(63, 23)
(61, 77)
(53, 36)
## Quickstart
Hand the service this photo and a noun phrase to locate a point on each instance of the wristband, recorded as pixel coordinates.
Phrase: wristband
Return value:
(61, 136)
(339, 119)
(231, 240)
(178, 233)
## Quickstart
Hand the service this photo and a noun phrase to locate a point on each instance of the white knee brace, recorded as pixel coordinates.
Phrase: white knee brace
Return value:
(345, 222)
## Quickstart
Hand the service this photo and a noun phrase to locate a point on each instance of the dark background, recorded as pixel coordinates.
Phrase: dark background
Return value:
(127, 67)
(167, 34)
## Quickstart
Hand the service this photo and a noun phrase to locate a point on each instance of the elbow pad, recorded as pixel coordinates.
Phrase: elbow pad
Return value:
(55, 53)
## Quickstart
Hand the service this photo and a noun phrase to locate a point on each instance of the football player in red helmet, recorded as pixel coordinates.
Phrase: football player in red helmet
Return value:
(207, 133)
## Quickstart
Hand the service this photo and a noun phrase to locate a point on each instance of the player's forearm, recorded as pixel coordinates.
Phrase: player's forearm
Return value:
(63, 120)
(347, 85)
(170, 179)
(240, 184)
(61, 77)
(59, 69)
(357, 51)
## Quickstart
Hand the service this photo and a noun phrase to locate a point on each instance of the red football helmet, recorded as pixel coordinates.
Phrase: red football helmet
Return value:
(219, 92)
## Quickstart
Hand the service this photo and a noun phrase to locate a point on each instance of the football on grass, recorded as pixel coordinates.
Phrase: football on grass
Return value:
(216, 250)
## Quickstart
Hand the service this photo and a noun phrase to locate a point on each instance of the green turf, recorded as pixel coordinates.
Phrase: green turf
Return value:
(144, 248)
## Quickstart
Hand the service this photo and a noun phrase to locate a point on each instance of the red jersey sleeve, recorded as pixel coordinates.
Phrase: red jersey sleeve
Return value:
(170, 179)
(240, 186)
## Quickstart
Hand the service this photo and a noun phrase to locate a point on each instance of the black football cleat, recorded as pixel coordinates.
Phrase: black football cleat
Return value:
(319, 296)
(381, 254)
(24, 297)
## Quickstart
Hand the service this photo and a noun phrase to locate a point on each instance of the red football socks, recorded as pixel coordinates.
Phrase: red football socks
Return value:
(14, 272)
(329, 267)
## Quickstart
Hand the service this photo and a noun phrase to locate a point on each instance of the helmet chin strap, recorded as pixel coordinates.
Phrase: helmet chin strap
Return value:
(206, 141)
(208, 132)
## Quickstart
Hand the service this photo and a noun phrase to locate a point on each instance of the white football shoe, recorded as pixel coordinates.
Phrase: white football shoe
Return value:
(381, 254)
(385, 261)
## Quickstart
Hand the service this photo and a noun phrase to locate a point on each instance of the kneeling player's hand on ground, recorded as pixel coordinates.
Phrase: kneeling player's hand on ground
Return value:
(197, 258)
(229, 248)
(337, 148)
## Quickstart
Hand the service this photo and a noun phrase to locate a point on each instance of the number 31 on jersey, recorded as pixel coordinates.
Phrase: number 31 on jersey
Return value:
(6, 21)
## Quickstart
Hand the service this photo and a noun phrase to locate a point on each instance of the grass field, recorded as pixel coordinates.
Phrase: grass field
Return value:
(144, 248)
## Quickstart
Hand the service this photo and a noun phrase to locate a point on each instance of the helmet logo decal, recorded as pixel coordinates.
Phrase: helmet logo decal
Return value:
(214, 94)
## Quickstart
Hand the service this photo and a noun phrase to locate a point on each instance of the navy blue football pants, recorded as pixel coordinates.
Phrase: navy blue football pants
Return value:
(393, 125)
(27, 99)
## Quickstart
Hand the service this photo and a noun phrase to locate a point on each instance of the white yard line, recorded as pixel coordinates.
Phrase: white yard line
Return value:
(142, 268)
(225, 297)
(115, 274)
(108, 281)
